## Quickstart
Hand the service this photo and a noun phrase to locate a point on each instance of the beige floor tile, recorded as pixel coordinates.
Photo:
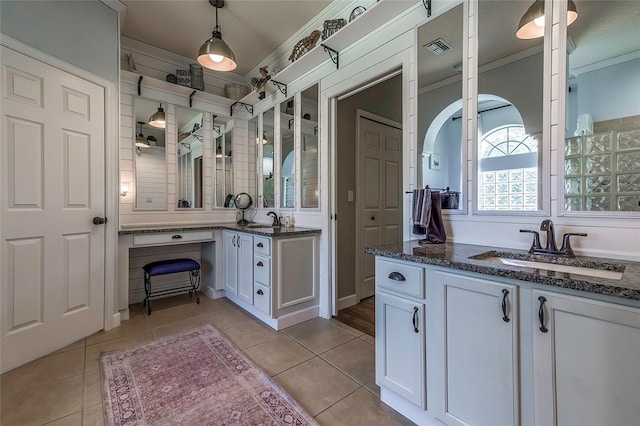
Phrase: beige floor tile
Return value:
(92, 386)
(318, 335)
(315, 385)
(73, 420)
(43, 404)
(278, 355)
(178, 327)
(172, 301)
(94, 416)
(128, 341)
(160, 317)
(45, 370)
(134, 324)
(229, 317)
(77, 345)
(373, 388)
(346, 327)
(366, 338)
(214, 305)
(250, 333)
(356, 359)
(361, 408)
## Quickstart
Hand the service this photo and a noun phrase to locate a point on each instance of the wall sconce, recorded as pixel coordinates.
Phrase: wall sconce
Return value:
(124, 189)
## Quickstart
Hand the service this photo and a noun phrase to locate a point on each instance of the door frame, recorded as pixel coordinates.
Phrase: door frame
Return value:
(111, 110)
(361, 113)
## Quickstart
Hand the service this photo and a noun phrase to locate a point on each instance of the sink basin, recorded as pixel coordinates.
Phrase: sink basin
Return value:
(609, 271)
(261, 225)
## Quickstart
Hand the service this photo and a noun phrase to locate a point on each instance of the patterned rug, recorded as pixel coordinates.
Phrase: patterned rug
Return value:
(194, 378)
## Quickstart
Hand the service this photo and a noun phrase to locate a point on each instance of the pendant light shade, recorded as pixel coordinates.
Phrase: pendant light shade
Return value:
(158, 118)
(141, 142)
(219, 153)
(215, 54)
(532, 23)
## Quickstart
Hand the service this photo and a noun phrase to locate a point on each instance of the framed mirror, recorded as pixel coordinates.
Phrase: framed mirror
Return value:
(150, 156)
(510, 111)
(440, 137)
(223, 156)
(602, 124)
(309, 156)
(287, 154)
(189, 158)
(268, 195)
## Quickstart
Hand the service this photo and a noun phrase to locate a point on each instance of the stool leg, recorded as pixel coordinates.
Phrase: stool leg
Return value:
(194, 279)
(147, 292)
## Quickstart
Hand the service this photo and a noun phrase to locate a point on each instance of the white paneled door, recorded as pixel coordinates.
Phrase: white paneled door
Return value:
(379, 192)
(52, 186)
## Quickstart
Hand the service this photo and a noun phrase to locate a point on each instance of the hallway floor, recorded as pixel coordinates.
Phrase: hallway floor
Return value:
(361, 316)
(327, 366)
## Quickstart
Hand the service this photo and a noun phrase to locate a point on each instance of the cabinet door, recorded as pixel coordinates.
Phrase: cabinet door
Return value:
(230, 262)
(477, 350)
(586, 364)
(400, 355)
(245, 267)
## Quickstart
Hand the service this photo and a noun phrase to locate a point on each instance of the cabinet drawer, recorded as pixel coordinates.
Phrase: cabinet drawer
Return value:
(262, 298)
(172, 238)
(400, 277)
(262, 246)
(262, 270)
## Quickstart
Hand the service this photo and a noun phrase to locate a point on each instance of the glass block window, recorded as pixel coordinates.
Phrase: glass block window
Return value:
(508, 170)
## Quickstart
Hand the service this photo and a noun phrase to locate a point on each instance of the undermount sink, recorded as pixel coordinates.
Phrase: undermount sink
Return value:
(261, 225)
(589, 268)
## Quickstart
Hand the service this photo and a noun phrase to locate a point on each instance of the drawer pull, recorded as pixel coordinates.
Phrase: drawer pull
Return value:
(542, 299)
(260, 292)
(176, 237)
(259, 245)
(397, 276)
(260, 264)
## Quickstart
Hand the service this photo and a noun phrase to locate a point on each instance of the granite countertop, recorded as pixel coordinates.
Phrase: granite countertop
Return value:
(459, 256)
(264, 230)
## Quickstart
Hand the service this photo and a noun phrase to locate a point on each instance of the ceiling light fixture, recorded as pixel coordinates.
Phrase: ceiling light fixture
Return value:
(532, 23)
(158, 118)
(141, 142)
(215, 54)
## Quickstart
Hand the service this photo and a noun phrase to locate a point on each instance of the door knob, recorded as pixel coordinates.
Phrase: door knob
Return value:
(373, 218)
(99, 220)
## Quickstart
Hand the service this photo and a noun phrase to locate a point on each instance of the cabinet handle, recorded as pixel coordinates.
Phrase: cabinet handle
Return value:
(260, 264)
(415, 320)
(397, 276)
(234, 241)
(176, 237)
(260, 292)
(542, 299)
(505, 293)
(259, 245)
(238, 241)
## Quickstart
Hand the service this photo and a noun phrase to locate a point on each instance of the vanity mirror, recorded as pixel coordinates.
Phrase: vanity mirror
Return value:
(510, 95)
(440, 139)
(268, 197)
(223, 156)
(602, 126)
(189, 158)
(150, 161)
(287, 154)
(309, 158)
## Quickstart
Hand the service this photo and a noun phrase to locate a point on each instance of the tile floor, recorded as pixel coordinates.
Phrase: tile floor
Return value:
(327, 366)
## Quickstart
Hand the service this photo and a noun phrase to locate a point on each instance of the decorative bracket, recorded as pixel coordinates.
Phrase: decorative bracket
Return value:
(290, 123)
(248, 107)
(427, 5)
(281, 86)
(191, 98)
(213, 120)
(333, 54)
(140, 86)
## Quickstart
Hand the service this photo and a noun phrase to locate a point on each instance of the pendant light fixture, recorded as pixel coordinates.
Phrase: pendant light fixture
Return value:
(532, 23)
(215, 54)
(141, 142)
(158, 118)
(219, 151)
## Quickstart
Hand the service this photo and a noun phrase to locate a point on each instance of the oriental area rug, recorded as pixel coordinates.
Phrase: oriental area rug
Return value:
(194, 378)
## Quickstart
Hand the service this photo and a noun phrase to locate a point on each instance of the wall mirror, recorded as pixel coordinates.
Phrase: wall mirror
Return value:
(287, 154)
(268, 197)
(150, 157)
(510, 94)
(223, 156)
(440, 140)
(309, 158)
(602, 128)
(189, 158)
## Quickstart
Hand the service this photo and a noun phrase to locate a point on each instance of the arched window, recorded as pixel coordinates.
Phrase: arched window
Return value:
(508, 170)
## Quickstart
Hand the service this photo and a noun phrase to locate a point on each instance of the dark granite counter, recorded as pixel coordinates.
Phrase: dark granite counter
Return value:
(460, 256)
(262, 230)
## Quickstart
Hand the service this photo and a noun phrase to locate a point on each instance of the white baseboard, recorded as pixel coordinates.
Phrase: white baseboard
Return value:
(345, 302)
(297, 317)
(407, 409)
(115, 322)
(212, 293)
(124, 314)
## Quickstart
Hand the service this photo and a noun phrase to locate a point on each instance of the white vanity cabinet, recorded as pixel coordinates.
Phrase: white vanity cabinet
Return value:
(238, 264)
(586, 356)
(472, 349)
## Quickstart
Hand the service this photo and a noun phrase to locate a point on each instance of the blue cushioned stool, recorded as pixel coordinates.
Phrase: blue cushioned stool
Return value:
(172, 266)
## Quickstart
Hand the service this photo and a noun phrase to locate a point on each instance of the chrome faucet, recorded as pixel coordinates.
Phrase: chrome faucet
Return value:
(276, 221)
(551, 248)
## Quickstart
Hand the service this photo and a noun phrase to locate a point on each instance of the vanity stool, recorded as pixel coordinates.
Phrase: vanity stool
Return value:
(171, 266)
